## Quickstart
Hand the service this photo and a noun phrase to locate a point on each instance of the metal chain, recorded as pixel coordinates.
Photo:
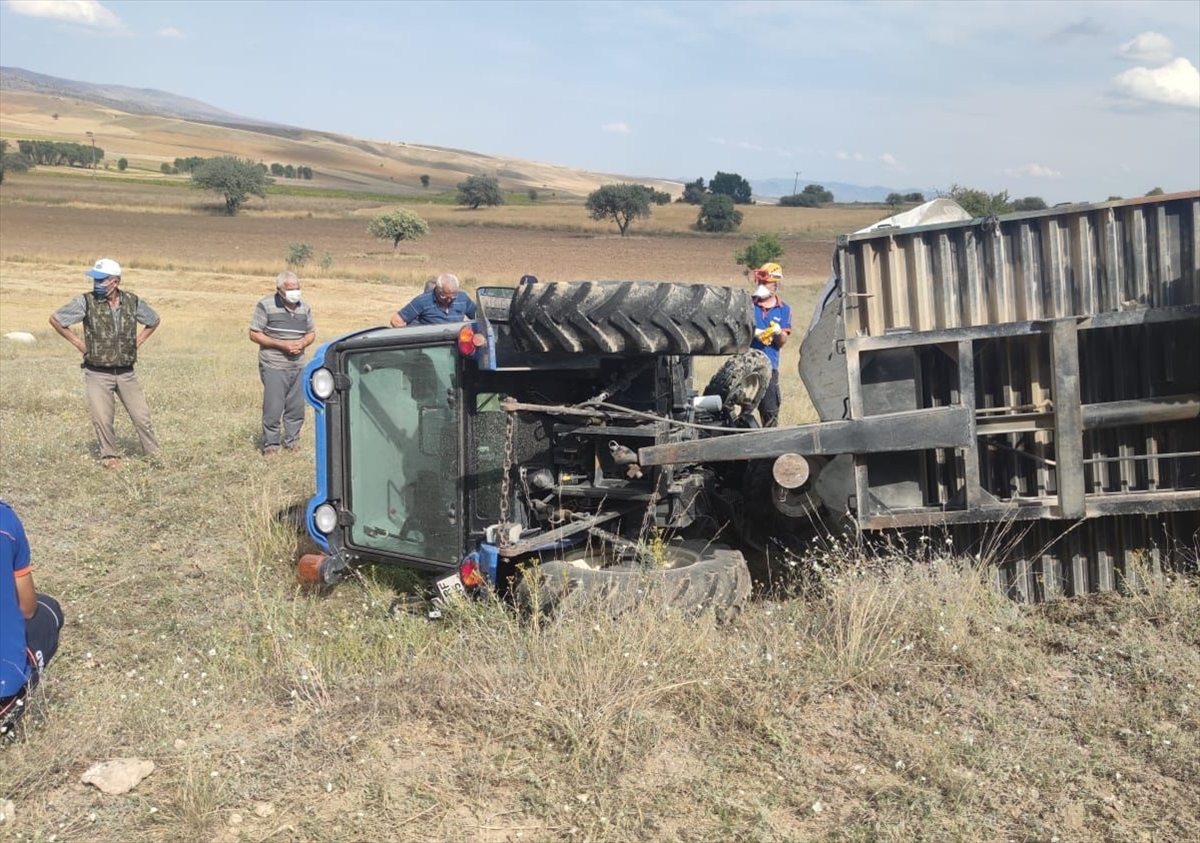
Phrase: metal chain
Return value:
(506, 478)
(651, 506)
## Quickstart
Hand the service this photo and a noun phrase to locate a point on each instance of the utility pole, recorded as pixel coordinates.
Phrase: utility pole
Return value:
(795, 184)
(93, 139)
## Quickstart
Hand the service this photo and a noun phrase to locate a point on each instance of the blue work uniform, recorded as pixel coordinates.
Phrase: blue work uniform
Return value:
(768, 408)
(25, 646)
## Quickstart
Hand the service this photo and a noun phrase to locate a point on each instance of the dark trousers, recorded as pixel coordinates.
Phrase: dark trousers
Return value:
(768, 408)
(41, 634)
(41, 643)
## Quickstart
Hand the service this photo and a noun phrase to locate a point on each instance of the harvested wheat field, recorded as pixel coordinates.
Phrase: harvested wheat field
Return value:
(900, 702)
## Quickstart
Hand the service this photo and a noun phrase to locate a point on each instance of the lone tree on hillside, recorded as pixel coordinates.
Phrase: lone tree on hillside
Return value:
(718, 214)
(694, 192)
(398, 225)
(425, 182)
(1030, 203)
(234, 178)
(980, 203)
(622, 203)
(480, 190)
(765, 248)
(731, 185)
(813, 196)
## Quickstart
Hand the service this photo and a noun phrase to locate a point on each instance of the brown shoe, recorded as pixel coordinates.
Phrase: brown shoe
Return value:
(111, 463)
(270, 452)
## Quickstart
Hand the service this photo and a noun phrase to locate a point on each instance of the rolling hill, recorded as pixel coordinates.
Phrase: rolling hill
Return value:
(149, 128)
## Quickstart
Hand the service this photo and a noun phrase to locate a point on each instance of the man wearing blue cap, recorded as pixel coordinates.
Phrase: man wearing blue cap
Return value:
(109, 345)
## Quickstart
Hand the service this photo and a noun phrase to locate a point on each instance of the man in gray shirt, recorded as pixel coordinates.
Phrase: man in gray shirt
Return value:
(109, 346)
(282, 327)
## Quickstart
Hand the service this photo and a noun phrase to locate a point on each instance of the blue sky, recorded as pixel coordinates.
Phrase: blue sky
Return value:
(1067, 100)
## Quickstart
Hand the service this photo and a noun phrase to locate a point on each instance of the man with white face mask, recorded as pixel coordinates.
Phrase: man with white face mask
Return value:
(282, 328)
(772, 327)
(115, 324)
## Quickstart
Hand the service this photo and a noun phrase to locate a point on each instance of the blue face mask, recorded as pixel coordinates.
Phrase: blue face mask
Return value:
(99, 290)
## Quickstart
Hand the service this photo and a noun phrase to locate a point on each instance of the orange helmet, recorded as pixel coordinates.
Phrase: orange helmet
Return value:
(768, 273)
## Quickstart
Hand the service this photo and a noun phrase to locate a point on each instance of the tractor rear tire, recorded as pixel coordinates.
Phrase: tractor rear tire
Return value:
(741, 382)
(697, 577)
(631, 317)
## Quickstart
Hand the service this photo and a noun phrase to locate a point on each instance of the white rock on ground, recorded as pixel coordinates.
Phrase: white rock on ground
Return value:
(119, 775)
(6, 812)
(23, 337)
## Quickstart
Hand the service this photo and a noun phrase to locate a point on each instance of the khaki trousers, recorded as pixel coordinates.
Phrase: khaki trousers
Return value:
(103, 388)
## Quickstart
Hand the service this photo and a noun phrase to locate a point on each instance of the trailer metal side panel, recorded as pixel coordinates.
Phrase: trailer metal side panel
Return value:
(1073, 341)
(1080, 260)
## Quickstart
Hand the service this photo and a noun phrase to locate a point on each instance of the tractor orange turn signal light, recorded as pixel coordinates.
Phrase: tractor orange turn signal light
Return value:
(308, 568)
(469, 341)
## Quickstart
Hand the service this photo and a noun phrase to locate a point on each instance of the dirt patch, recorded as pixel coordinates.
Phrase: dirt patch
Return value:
(492, 255)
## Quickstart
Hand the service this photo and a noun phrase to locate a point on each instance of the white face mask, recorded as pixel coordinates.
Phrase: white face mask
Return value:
(762, 292)
(293, 296)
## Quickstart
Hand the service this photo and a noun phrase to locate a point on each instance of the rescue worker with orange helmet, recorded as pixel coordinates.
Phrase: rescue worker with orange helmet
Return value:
(772, 327)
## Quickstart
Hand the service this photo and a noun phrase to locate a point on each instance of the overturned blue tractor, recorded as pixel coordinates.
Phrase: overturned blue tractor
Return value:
(1027, 386)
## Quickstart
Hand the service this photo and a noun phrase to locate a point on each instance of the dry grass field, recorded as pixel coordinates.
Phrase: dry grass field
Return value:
(902, 702)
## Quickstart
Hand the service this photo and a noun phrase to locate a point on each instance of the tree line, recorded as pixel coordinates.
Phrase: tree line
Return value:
(58, 153)
(288, 171)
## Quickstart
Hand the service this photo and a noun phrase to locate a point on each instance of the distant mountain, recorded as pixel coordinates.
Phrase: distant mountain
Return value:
(772, 189)
(129, 100)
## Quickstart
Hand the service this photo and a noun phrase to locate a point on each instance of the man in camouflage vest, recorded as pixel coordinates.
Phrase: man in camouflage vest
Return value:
(109, 345)
(282, 327)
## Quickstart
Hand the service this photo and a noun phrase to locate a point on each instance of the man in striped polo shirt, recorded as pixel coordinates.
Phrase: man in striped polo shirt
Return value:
(282, 328)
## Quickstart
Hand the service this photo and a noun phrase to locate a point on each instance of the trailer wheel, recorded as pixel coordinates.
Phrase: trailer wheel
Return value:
(631, 317)
(697, 577)
(741, 382)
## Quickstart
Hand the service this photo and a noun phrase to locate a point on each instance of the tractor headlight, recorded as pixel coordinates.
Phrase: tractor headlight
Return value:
(322, 383)
(325, 516)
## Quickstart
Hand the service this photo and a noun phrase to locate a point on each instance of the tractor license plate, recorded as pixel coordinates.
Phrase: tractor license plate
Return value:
(450, 587)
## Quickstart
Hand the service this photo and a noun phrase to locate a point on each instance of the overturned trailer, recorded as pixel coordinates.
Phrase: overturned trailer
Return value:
(1028, 384)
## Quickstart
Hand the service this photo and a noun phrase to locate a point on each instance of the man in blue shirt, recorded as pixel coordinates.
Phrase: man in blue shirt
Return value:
(444, 303)
(772, 327)
(29, 622)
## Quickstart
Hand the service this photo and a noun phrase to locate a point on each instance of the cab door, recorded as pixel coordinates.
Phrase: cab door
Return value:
(401, 454)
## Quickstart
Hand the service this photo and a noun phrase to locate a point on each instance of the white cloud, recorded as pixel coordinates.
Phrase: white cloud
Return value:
(1176, 84)
(889, 159)
(82, 12)
(1033, 171)
(747, 145)
(169, 32)
(850, 156)
(1148, 48)
(619, 127)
